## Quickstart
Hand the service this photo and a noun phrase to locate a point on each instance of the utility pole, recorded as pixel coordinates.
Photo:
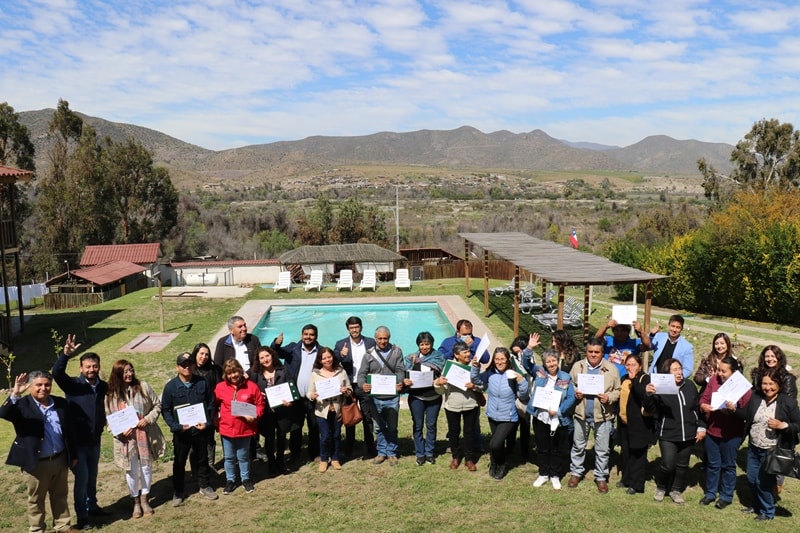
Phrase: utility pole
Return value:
(397, 218)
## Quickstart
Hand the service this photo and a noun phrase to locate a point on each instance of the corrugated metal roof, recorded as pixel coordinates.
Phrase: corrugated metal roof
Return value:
(340, 253)
(13, 175)
(556, 263)
(238, 262)
(108, 272)
(141, 254)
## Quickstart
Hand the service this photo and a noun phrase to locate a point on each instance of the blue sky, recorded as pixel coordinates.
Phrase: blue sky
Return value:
(225, 73)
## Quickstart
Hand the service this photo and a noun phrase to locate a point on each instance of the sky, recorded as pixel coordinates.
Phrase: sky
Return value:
(227, 73)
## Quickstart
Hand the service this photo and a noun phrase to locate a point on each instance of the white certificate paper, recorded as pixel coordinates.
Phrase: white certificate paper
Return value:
(624, 314)
(383, 385)
(191, 415)
(123, 420)
(482, 346)
(547, 399)
(457, 375)
(243, 409)
(278, 393)
(664, 383)
(731, 391)
(420, 378)
(591, 384)
(328, 388)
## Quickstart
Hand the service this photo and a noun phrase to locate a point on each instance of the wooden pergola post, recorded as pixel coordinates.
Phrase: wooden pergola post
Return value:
(486, 283)
(466, 268)
(516, 301)
(648, 302)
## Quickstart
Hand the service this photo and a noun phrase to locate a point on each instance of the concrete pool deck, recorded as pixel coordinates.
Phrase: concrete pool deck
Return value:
(453, 307)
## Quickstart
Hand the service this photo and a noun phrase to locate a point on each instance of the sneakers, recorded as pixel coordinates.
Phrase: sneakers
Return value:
(431, 459)
(177, 500)
(230, 486)
(392, 461)
(541, 480)
(248, 486)
(659, 495)
(677, 497)
(556, 483)
(420, 461)
(209, 493)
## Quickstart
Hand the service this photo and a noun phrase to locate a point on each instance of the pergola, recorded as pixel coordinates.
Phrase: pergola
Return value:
(556, 264)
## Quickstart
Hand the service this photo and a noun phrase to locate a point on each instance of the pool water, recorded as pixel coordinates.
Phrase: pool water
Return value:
(404, 320)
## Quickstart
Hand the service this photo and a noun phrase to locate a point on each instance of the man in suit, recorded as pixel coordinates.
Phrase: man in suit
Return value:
(351, 351)
(299, 361)
(86, 394)
(44, 447)
(238, 344)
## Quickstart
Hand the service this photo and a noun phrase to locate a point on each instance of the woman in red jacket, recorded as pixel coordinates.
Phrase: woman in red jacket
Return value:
(239, 404)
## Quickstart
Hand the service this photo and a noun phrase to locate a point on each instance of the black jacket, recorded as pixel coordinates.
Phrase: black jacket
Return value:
(29, 423)
(225, 349)
(678, 414)
(786, 410)
(87, 411)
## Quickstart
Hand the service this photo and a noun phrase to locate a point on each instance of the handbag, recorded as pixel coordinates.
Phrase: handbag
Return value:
(479, 397)
(351, 412)
(782, 461)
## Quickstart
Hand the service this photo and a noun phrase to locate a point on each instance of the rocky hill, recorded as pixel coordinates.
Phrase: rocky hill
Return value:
(464, 147)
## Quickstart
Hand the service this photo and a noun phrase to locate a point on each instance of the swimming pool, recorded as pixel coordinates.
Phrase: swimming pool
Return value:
(404, 320)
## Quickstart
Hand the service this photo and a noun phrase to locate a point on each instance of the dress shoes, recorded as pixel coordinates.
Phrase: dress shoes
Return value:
(602, 486)
(472, 467)
(573, 481)
(455, 463)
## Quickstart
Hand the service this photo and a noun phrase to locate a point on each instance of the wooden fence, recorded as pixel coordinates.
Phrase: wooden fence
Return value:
(498, 269)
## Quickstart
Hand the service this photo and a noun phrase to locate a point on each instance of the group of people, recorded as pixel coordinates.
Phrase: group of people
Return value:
(248, 393)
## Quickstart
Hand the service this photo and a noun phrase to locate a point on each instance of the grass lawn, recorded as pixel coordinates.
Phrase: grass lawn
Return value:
(362, 496)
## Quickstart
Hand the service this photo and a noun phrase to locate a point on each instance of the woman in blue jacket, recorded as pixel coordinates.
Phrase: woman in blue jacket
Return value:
(551, 426)
(504, 386)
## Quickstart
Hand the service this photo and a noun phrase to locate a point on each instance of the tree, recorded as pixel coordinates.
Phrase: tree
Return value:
(315, 228)
(16, 148)
(768, 156)
(143, 200)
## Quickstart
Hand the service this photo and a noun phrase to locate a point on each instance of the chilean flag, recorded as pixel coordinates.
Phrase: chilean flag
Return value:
(573, 239)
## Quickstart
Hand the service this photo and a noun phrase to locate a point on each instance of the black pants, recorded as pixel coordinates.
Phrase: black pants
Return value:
(184, 442)
(550, 449)
(675, 456)
(367, 409)
(274, 434)
(462, 448)
(504, 435)
(296, 436)
(633, 461)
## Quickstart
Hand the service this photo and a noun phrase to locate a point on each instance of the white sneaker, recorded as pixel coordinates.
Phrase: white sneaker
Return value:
(556, 483)
(541, 480)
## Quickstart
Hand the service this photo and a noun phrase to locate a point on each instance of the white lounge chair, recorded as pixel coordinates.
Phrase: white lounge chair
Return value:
(314, 280)
(369, 280)
(345, 280)
(508, 288)
(401, 279)
(284, 282)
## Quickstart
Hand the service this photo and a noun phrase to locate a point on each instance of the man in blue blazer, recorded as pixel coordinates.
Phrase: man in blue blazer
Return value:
(44, 447)
(666, 344)
(351, 351)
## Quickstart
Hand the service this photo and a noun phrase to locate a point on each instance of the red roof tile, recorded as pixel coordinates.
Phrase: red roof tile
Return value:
(12, 175)
(141, 254)
(108, 272)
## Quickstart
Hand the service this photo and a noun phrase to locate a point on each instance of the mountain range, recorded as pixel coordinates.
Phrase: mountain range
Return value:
(464, 147)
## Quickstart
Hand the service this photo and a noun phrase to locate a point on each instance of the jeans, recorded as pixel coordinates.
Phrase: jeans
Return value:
(454, 433)
(424, 412)
(549, 448)
(504, 435)
(602, 448)
(386, 425)
(236, 449)
(671, 475)
(85, 472)
(182, 443)
(721, 466)
(761, 483)
(296, 436)
(330, 437)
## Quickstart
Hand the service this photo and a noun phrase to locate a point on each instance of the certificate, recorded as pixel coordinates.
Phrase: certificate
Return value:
(243, 409)
(457, 375)
(547, 399)
(191, 415)
(122, 420)
(328, 388)
(420, 379)
(277, 394)
(383, 385)
(732, 390)
(482, 346)
(624, 314)
(591, 384)
(664, 383)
